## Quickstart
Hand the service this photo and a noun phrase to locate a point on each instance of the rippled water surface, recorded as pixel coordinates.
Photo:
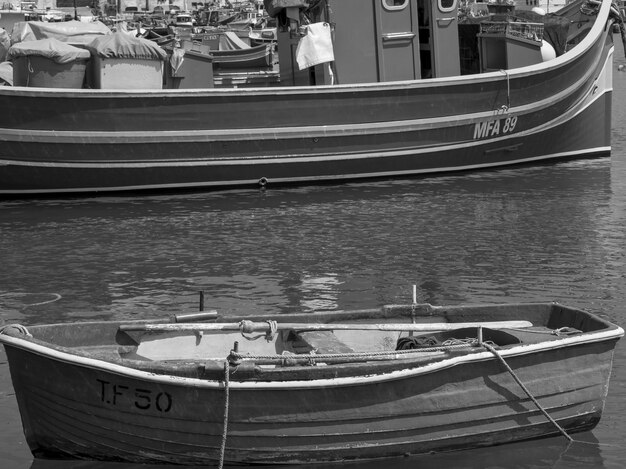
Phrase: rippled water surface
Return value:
(554, 232)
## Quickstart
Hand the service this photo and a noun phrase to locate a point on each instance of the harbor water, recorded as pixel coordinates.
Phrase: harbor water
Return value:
(554, 232)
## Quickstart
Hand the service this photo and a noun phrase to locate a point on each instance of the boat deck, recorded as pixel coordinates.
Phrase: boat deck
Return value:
(325, 344)
(176, 347)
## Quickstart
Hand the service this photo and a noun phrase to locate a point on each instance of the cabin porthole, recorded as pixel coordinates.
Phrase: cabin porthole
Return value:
(446, 6)
(395, 4)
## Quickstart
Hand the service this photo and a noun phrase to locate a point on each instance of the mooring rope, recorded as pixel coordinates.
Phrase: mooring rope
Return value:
(226, 406)
(510, 370)
(508, 91)
(559, 332)
(56, 296)
(17, 327)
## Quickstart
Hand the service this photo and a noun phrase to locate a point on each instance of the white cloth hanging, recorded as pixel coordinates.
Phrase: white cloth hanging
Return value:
(177, 59)
(316, 47)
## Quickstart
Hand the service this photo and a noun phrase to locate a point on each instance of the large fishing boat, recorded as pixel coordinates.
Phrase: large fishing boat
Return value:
(376, 88)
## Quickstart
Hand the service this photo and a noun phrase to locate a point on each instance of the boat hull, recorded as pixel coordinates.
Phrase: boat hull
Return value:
(54, 141)
(569, 140)
(88, 411)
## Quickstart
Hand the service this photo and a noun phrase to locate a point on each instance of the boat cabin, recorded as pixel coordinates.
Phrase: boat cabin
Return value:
(392, 40)
(183, 20)
(376, 40)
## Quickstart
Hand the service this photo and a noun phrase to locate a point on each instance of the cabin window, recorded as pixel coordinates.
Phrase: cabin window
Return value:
(396, 4)
(447, 6)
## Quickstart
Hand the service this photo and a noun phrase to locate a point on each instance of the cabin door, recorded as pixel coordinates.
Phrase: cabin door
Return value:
(445, 34)
(398, 41)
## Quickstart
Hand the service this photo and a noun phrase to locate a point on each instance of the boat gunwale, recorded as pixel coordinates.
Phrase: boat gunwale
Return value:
(119, 366)
(330, 130)
(361, 379)
(588, 42)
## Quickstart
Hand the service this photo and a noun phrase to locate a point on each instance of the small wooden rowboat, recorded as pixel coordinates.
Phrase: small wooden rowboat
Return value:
(319, 387)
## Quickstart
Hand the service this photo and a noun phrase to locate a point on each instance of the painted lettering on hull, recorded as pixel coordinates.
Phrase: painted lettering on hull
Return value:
(493, 128)
(143, 399)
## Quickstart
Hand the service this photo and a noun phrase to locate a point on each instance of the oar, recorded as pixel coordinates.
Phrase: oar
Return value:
(249, 326)
(193, 317)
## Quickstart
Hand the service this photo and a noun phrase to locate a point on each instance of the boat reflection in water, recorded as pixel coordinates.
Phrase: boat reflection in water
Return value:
(555, 453)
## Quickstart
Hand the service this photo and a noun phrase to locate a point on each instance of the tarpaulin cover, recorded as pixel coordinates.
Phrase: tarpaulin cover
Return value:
(52, 49)
(6, 73)
(273, 7)
(230, 41)
(5, 44)
(125, 46)
(73, 32)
